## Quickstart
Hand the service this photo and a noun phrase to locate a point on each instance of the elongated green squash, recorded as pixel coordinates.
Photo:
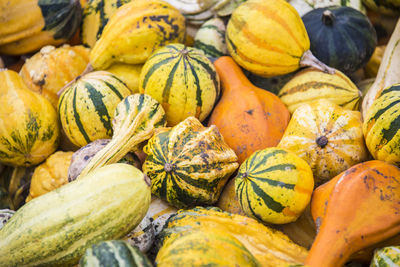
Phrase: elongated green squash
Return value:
(56, 228)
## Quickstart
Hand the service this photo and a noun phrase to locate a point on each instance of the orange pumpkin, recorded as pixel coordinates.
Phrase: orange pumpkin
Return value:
(248, 117)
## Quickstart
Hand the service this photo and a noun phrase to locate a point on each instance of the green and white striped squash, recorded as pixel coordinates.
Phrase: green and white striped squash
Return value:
(86, 108)
(188, 164)
(210, 38)
(274, 185)
(114, 253)
(305, 6)
(382, 124)
(95, 17)
(386, 257)
(5, 216)
(183, 80)
(56, 228)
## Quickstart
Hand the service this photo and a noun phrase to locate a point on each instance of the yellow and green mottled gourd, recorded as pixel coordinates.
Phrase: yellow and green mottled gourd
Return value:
(274, 185)
(86, 108)
(183, 80)
(205, 248)
(382, 124)
(135, 31)
(270, 247)
(386, 257)
(328, 137)
(189, 164)
(29, 128)
(55, 229)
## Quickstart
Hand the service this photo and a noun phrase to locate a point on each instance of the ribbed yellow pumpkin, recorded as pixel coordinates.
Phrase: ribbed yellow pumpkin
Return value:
(311, 84)
(29, 129)
(86, 108)
(50, 175)
(49, 70)
(268, 38)
(327, 136)
(127, 73)
(183, 80)
(274, 185)
(135, 31)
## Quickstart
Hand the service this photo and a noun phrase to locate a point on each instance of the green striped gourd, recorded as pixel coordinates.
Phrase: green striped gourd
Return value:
(270, 247)
(210, 38)
(56, 228)
(386, 257)
(114, 253)
(5, 216)
(381, 126)
(189, 164)
(305, 6)
(86, 107)
(205, 248)
(311, 84)
(135, 120)
(274, 185)
(95, 17)
(29, 128)
(183, 80)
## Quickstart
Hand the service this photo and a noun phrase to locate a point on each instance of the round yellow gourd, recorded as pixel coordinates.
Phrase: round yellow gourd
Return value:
(128, 73)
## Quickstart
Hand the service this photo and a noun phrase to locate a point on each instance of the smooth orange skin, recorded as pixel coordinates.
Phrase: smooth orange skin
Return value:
(249, 118)
(363, 209)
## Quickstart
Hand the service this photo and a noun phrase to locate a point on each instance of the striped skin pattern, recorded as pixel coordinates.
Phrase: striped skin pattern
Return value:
(95, 17)
(188, 164)
(210, 38)
(311, 84)
(267, 37)
(135, 31)
(327, 136)
(5, 216)
(381, 126)
(386, 257)
(136, 119)
(344, 40)
(56, 228)
(205, 248)
(114, 253)
(86, 108)
(270, 247)
(183, 80)
(274, 185)
(29, 128)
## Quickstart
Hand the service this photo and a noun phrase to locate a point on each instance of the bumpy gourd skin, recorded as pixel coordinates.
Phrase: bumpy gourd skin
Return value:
(29, 127)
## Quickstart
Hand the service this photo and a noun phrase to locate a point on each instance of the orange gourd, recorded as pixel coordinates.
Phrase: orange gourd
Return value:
(363, 209)
(248, 117)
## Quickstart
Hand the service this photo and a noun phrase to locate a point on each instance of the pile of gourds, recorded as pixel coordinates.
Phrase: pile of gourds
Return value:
(199, 133)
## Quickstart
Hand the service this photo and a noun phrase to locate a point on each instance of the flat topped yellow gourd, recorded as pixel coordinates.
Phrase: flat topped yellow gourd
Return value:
(268, 38)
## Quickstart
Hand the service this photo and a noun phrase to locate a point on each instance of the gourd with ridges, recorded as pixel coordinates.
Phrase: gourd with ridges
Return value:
(183, 80)
(386, 257)
(205, 248)
(86, 107)
(311, 84)
(29, 130)
(96, 14)
(381, 126)
(135, 31)
(136, 119)
(270, 247)
(210, 38)
(28, 25)
(189, 164)
(274, 185)
(113, 253)
(341, 37)
(57, 228)
(268, 38)
(52, 68)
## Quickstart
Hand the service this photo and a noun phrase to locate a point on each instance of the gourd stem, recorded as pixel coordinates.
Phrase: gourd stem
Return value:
(309, 60)
(322, 141)
(89, 68)
(328, 18)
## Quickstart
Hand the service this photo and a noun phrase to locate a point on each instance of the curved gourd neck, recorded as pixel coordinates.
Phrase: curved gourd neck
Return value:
(231, 75)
